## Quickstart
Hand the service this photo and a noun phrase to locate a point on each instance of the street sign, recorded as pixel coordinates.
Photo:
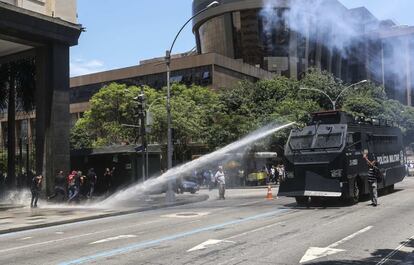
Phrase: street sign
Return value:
(139, 148)
(150, 119)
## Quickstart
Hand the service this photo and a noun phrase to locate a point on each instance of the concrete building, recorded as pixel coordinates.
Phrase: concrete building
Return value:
(213, 70)
(43, 30)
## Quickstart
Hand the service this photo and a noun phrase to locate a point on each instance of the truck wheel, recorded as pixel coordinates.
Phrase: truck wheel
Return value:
(354, 196)
(302, 200)
(391, 189)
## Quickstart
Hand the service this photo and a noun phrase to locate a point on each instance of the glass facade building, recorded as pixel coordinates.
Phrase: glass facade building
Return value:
(285, 39)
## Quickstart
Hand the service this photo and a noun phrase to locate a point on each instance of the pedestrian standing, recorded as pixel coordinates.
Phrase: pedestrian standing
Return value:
(273, 174)
(84, 185)
(373, 177)
(60, 186)
(35, 188)
(221, 181)
(281, 172)
(108, 175)
(241, 177)
(206, 178)
(212, 183)
(93, 179)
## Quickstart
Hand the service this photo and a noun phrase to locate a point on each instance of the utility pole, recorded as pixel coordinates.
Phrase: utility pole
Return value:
(140, 100)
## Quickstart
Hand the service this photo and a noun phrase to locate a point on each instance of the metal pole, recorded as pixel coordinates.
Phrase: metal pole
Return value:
(169, 136)
(27, 157)
(143, 135)
(146, 159)
(170, 195)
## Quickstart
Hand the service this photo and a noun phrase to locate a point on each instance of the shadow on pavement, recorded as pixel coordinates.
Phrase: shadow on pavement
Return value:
(387, 256)
(335, 203)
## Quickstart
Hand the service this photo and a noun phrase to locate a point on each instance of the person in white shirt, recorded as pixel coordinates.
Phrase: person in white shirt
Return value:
(221, 181)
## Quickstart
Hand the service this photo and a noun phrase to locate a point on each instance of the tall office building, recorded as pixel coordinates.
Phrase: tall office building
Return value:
(42, 31)
(289, 36)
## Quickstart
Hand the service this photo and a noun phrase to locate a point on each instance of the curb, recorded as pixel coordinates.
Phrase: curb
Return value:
(200, 198)
(248, 187)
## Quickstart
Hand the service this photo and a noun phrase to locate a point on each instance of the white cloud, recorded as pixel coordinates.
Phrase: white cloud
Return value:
(84, 67)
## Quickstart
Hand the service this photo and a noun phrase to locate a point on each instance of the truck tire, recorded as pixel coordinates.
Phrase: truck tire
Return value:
(355, 193)
(302, 200)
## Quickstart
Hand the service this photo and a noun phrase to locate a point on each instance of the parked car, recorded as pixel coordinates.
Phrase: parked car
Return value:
(411, 169)
(188, 186)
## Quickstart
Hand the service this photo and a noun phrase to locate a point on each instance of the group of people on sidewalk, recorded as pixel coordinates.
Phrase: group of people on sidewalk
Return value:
(73, 187)
(275, 174)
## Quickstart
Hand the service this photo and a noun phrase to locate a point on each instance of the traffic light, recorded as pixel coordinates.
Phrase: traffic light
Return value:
(139, 105)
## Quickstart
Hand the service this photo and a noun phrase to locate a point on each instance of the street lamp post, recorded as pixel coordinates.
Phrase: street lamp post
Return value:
(333, 102)
(170, 194)
(148, 122)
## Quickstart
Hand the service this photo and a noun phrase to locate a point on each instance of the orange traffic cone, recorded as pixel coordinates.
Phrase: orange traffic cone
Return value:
(269, 193)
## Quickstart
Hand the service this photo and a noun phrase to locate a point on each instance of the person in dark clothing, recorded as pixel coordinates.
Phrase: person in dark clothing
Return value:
(108, 178)
(35, 188)
(60, 186)
(93, 179)
(84, 185)
(373, 177)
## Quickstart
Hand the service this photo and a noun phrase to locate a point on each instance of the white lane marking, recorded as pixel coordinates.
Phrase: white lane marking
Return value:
(340, 242)
(207, 243)
(185, 215)
(226, 240)
(73, 237)
(402, 245)
(59, 233)
(109, 239)
(25, 238)
(316, 253)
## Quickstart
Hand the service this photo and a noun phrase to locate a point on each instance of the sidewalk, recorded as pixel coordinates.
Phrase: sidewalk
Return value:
(15, 218)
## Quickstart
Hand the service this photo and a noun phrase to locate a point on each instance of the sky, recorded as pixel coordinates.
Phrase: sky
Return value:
(120, 33)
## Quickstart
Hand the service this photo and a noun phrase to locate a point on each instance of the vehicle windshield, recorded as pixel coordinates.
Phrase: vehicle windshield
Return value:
(328, 140)
(301, 142)
(322, 140)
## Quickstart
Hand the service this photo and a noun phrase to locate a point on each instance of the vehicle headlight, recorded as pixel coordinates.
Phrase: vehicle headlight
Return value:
(336, 173)
(290, 174)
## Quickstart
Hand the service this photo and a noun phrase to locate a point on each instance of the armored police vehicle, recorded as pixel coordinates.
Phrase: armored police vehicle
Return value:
(325, 159)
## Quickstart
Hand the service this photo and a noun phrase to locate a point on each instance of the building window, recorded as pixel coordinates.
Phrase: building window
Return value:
(176, 79)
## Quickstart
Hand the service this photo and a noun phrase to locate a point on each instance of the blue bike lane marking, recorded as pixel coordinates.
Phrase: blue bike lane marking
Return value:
(150, 243)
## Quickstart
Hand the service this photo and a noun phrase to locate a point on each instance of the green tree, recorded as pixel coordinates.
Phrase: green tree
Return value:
(192, 109)
(111, 107)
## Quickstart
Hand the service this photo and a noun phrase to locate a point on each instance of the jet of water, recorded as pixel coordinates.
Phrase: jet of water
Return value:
(172, 174)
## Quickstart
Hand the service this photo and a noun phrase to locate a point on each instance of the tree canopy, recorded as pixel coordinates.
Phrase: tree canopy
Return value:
(216, 118)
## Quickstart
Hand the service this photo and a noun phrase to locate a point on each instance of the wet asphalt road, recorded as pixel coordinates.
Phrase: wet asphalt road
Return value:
(243, 229)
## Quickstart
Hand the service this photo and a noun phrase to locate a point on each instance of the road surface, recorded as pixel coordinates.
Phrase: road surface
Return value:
(243, 229)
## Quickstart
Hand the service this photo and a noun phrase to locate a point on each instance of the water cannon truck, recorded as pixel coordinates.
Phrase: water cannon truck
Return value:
(325, 158)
